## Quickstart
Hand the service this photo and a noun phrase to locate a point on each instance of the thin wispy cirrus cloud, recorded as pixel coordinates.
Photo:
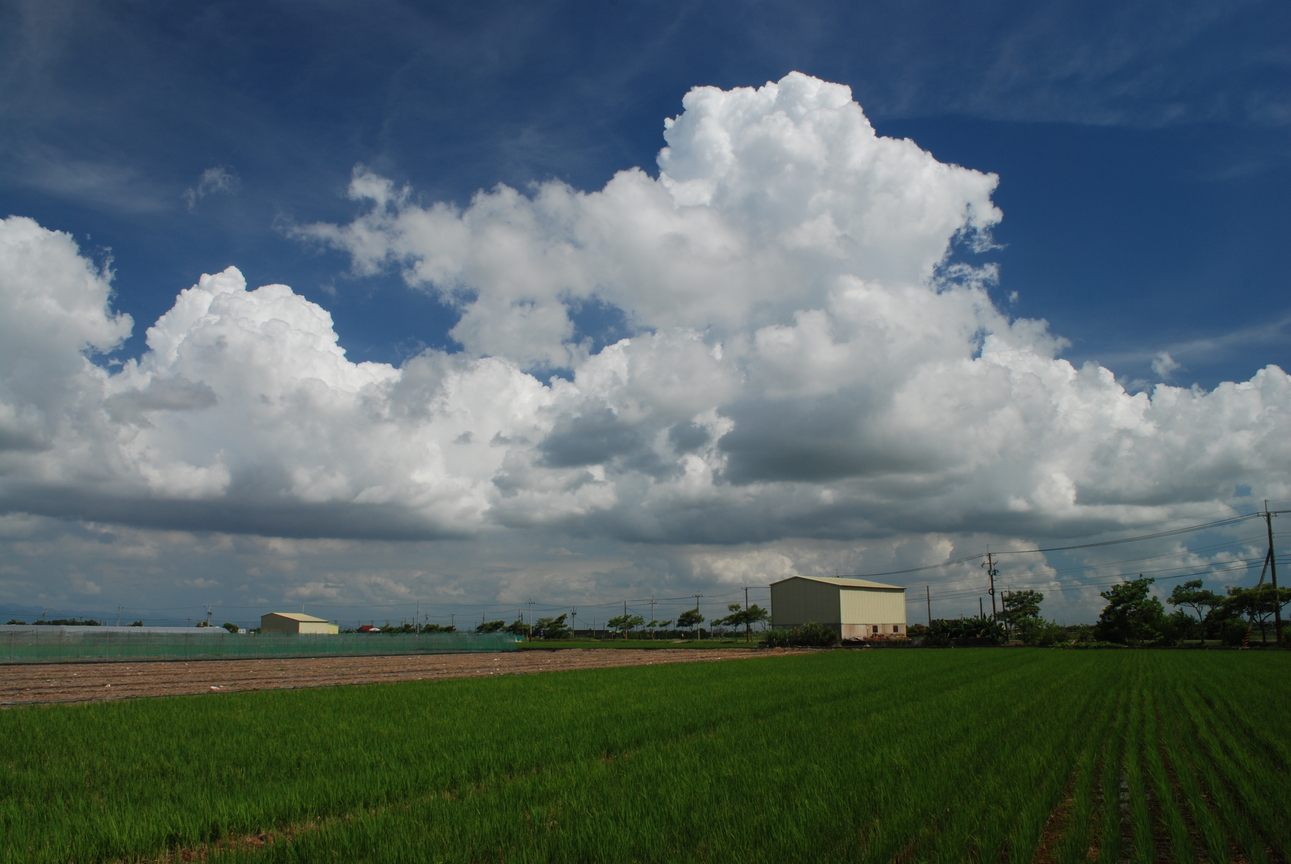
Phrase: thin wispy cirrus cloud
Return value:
(216, 180)
(814, 378)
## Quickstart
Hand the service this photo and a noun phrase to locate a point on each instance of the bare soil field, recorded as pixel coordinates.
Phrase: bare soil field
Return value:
(88, 682)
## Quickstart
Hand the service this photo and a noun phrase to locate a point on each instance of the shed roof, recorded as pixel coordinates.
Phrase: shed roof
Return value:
(843, 582)
(298, 616)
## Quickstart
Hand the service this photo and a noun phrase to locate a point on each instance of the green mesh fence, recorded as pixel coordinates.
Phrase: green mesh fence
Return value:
(66, 644)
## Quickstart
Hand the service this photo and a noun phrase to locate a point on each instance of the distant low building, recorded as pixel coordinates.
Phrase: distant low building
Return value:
(856, 608)
(296, 622)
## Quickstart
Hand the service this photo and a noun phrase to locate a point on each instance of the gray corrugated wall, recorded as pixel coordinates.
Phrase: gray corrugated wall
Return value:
(797, 601)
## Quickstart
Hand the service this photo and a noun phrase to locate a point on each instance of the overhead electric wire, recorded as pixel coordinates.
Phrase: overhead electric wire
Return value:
(1158, 535)
(914, 569)
(1194, 551)
(1154, 536)
(1108, 580)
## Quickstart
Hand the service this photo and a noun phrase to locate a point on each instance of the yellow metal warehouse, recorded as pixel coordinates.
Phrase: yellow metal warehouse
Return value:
(856, 608)
(295, 622)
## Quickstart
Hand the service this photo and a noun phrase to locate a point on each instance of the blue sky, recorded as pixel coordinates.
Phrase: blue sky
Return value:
(1142, 151)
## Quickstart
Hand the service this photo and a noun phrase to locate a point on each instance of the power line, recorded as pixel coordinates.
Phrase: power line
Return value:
(915, 569)
(1193, 550)
(1111, 580)
(1154, 536)
(1158, 535)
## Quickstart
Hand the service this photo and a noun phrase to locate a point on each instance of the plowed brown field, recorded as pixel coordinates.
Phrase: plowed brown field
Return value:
(83, 682)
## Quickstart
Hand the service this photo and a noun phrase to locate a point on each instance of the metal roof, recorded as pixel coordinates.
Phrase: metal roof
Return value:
(843, 582)
(299, 616)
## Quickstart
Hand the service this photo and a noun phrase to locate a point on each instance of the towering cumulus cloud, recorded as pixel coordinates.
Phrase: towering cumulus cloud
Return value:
(805, 362)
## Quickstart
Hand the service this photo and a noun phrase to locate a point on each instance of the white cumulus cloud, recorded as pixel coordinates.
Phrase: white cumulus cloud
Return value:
(805, 363)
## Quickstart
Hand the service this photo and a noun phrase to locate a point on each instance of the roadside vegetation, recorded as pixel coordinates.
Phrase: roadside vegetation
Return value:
(859, 756)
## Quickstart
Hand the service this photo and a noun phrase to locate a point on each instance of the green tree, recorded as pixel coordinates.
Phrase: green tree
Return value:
(1021, 610)
(625, 623)
(1260, 603)
(690, 618)
(231, 627)
(729, 620)
(1130, 616)
(551, 628)
(490, 626)
(1200, 601)
(746, 618)
(658, 625)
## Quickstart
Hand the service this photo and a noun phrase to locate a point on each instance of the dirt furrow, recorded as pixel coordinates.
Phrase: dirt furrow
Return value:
(81, 682)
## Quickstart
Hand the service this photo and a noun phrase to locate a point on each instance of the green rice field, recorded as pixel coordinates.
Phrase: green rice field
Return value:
(883, 756)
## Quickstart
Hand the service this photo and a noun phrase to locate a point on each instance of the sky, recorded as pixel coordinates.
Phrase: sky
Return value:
(381, 309)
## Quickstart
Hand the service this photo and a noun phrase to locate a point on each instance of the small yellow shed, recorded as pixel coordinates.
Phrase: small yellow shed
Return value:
(856, 608)
(296, 622)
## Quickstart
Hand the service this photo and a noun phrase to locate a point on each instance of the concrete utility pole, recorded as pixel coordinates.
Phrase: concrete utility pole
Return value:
(927, 593)
(700, 625)
(530, 619)
(989, 564)
(1273, 572)
(416, 620)
(573, 621)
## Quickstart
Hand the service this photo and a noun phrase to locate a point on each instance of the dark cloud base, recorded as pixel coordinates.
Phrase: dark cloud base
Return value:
(289, 519)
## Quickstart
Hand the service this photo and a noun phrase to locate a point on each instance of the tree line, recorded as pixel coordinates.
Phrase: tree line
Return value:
(1132, 616)
(688, 623)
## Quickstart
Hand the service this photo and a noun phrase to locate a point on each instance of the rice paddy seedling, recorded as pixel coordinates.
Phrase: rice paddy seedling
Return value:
(896, 756)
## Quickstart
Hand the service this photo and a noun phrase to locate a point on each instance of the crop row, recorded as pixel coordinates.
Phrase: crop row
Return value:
(866, 756)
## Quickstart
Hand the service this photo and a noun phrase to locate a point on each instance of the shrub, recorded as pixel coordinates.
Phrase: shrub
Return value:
(1232, 631)
(1051, 634)
(964, 631)
(809, 635)
(1081, 633)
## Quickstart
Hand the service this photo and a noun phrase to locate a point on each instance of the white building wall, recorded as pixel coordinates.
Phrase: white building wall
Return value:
(318, 627)
(873, 606)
